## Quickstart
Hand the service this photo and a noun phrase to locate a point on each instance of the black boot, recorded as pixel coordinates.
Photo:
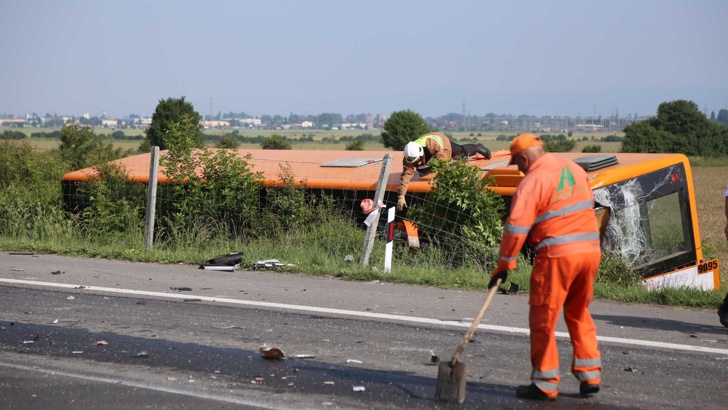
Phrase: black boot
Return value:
(482, 150)
(532, 392)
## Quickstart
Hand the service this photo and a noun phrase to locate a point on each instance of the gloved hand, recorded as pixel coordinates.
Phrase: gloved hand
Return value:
(401, 203)
(503, 276)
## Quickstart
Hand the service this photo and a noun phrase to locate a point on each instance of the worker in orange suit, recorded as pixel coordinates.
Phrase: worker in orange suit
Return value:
(553, 209)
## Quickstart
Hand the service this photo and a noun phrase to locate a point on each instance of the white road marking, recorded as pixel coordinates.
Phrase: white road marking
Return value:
(139, 385)
(353, 313)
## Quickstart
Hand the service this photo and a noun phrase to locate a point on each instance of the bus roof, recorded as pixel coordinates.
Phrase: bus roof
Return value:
(359, 170)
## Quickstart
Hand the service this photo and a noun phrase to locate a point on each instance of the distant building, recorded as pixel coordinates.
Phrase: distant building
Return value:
(13, 122)
(215, 124)
(109, 123)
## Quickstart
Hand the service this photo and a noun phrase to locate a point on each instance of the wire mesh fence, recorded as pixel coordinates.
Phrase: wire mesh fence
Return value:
(453, 221)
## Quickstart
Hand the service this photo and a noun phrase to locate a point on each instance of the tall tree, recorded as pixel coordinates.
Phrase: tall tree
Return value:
(722, 117)
(168, 112)
(678, 127)
(403, 127)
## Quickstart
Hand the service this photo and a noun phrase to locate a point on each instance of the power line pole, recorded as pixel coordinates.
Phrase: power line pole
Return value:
(465, 118)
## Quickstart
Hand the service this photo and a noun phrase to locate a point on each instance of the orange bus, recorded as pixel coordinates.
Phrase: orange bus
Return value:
(645, 202)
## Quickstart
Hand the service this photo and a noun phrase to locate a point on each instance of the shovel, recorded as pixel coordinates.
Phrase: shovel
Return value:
(452, 375)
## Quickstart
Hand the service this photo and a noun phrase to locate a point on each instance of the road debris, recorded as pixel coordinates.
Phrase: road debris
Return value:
(141, 355)
(358, 388)
(182, 289)
(17, 270)
(329, 383)
(630, 369)
(57, 272)
(271, 353)
(353, 361)
(77, 352)
(101, 343)
(228, 261)
(70, 298)
(302, 356)
(221, 268)
(270, 263)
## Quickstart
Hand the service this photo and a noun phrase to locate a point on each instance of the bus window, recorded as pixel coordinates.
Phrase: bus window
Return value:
(650, 222)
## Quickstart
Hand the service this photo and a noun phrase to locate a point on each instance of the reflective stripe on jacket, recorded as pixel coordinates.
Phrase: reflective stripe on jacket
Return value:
(554, 208)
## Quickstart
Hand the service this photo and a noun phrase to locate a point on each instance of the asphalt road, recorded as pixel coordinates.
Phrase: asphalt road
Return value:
(94, 333)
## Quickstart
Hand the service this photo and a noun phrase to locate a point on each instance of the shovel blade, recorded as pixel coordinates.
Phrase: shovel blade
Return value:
(451, 382)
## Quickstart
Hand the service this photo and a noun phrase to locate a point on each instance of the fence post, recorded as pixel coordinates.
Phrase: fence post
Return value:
(378, 196)
(151, 198)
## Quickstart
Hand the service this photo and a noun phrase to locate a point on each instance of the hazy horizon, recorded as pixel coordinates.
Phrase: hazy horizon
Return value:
(567, 58)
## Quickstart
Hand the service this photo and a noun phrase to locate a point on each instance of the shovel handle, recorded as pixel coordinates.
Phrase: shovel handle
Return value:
(474, 325)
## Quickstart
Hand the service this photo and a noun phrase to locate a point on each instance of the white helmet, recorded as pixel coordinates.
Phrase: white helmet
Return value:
(412, 152)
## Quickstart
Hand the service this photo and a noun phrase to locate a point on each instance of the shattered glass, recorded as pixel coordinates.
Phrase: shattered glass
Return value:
(650, 222)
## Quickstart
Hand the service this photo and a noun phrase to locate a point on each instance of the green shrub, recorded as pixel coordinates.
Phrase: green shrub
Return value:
(461, 215)
(275, 141)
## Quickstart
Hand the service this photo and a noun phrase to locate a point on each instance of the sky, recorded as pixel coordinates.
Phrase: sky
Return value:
(540, 57)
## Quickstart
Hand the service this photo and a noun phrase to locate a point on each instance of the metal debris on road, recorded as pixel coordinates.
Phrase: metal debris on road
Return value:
(302, 356)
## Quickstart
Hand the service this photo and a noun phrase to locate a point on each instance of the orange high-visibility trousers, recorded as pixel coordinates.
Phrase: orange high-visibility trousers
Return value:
(566, 282)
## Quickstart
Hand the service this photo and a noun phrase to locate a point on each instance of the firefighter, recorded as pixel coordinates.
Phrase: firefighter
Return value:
(418, 153)
(553, 208)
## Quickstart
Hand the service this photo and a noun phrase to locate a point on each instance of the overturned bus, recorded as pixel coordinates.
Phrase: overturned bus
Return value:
(645, 202)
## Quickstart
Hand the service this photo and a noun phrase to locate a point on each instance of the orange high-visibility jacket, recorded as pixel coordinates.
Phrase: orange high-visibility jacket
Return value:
(437, 144)
(554, 208)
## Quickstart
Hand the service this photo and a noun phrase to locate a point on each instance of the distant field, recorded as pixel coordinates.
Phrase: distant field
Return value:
(488, 139)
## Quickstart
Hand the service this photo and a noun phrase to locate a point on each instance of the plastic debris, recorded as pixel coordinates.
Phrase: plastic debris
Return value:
(330, 383)
(271, 353)
(101, 343)
(270, 263)
(358, 388)
(77, 352)
(141, 355)
(353, 361)
(70, 298)
(220, 268)
(349, 258)
(367, 206)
